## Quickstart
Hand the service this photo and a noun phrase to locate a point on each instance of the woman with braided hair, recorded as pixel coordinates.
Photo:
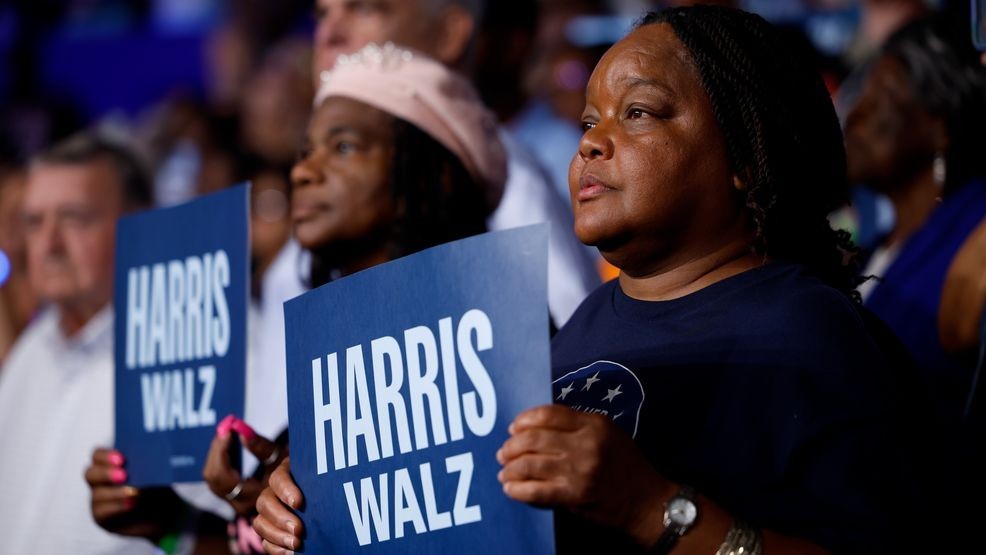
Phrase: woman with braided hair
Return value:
(728, 390)
(726, 394)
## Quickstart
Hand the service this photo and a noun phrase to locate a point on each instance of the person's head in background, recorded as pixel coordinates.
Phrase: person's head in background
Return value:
(881, 18)
(919, 122)
(713, 132)
(75, 193)
(270, 222)
(276, 101)
(12, 177)
(17, 301)
(505, 42)
(443, 29)
(401, 155)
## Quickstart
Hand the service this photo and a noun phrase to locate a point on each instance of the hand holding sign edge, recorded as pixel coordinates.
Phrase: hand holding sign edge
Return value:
(559, 458)
(122, 509)
(219, 473)
(280, 528)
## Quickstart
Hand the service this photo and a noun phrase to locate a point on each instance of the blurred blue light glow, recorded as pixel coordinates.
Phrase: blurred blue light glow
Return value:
(4, 268)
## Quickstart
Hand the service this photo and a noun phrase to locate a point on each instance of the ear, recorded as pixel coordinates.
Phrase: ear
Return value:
(738, 183)
(455, 30)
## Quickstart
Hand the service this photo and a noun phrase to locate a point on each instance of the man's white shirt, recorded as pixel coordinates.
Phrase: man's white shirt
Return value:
(56, 407)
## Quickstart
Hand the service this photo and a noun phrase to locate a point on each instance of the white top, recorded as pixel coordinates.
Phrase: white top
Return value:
(529, 198)
(266, 408)
(56, 407)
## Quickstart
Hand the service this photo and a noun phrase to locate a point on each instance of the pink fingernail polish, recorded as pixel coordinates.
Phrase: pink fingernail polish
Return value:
(115, 458)
(245, 431)
(222, 430)
(118, 475)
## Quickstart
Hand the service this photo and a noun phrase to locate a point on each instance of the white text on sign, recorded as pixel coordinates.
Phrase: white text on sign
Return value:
(408, 371)
(178, 313)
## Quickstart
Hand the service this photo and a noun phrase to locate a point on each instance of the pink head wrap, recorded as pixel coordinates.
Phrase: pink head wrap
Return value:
(421, 91)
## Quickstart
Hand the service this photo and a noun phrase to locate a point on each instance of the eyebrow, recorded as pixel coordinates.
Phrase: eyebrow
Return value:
(341, 129)
(634, 82)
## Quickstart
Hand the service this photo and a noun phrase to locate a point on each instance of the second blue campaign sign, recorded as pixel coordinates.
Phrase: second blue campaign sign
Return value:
(402, 380)
(180, 300)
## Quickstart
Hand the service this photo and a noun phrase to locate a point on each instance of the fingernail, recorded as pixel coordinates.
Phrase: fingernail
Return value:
(222, 430)
(510, 429)
(290, 525)
(115, 458)
(291, 541)
(499, 456)
(499, 476)
(130, 491)
(245, 431)
(118, 475)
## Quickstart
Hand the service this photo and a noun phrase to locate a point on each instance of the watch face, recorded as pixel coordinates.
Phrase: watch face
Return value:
(681, 511)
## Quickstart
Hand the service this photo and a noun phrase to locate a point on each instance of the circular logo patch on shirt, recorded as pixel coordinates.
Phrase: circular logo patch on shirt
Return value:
(606, 388)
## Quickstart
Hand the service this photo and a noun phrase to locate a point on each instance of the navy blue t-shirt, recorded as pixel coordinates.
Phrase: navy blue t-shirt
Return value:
(767, 392)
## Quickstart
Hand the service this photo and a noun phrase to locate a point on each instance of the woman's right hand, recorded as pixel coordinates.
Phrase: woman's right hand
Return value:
(280, 528)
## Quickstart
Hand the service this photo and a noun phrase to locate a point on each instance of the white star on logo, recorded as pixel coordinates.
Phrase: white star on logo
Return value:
(590, 381)
(565, 391)
(613, 393)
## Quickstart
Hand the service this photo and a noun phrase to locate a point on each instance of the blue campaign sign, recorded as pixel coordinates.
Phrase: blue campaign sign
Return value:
(180, 332)
(402, 380)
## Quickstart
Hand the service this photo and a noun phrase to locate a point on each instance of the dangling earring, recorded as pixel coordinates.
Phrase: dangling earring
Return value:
(938, 170)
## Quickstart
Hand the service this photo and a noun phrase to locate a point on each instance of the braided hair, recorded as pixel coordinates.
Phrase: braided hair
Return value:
(781, 132)
(436, 198)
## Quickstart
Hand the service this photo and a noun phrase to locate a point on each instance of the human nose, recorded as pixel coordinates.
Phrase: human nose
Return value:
(596, 143)
(50, 236)
(305, 172)
(332, 28)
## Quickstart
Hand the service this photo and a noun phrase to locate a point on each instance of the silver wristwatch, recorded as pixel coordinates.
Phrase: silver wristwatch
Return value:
(680, 514)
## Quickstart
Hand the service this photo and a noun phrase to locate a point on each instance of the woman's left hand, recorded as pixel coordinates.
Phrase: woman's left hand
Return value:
(223, 479)
(560, 458)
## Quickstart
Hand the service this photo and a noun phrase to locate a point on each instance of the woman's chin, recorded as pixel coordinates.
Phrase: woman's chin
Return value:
(310, 236)
(592, 231)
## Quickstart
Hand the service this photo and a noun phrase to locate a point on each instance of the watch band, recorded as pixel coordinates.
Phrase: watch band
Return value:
(672, 531)
(742, 539)
(666, 542)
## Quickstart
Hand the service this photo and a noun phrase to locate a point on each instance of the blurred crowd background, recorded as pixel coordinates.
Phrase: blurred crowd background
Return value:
(214, 92)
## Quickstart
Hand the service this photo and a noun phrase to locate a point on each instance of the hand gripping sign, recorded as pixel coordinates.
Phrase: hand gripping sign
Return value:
(402, 380)
(180, 332)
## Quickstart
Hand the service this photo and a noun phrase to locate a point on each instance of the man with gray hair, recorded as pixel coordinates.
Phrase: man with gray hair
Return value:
(56, 387)
(444, 29)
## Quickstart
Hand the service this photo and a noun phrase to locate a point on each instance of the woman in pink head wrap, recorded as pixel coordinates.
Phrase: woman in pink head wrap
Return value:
(400, 155)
